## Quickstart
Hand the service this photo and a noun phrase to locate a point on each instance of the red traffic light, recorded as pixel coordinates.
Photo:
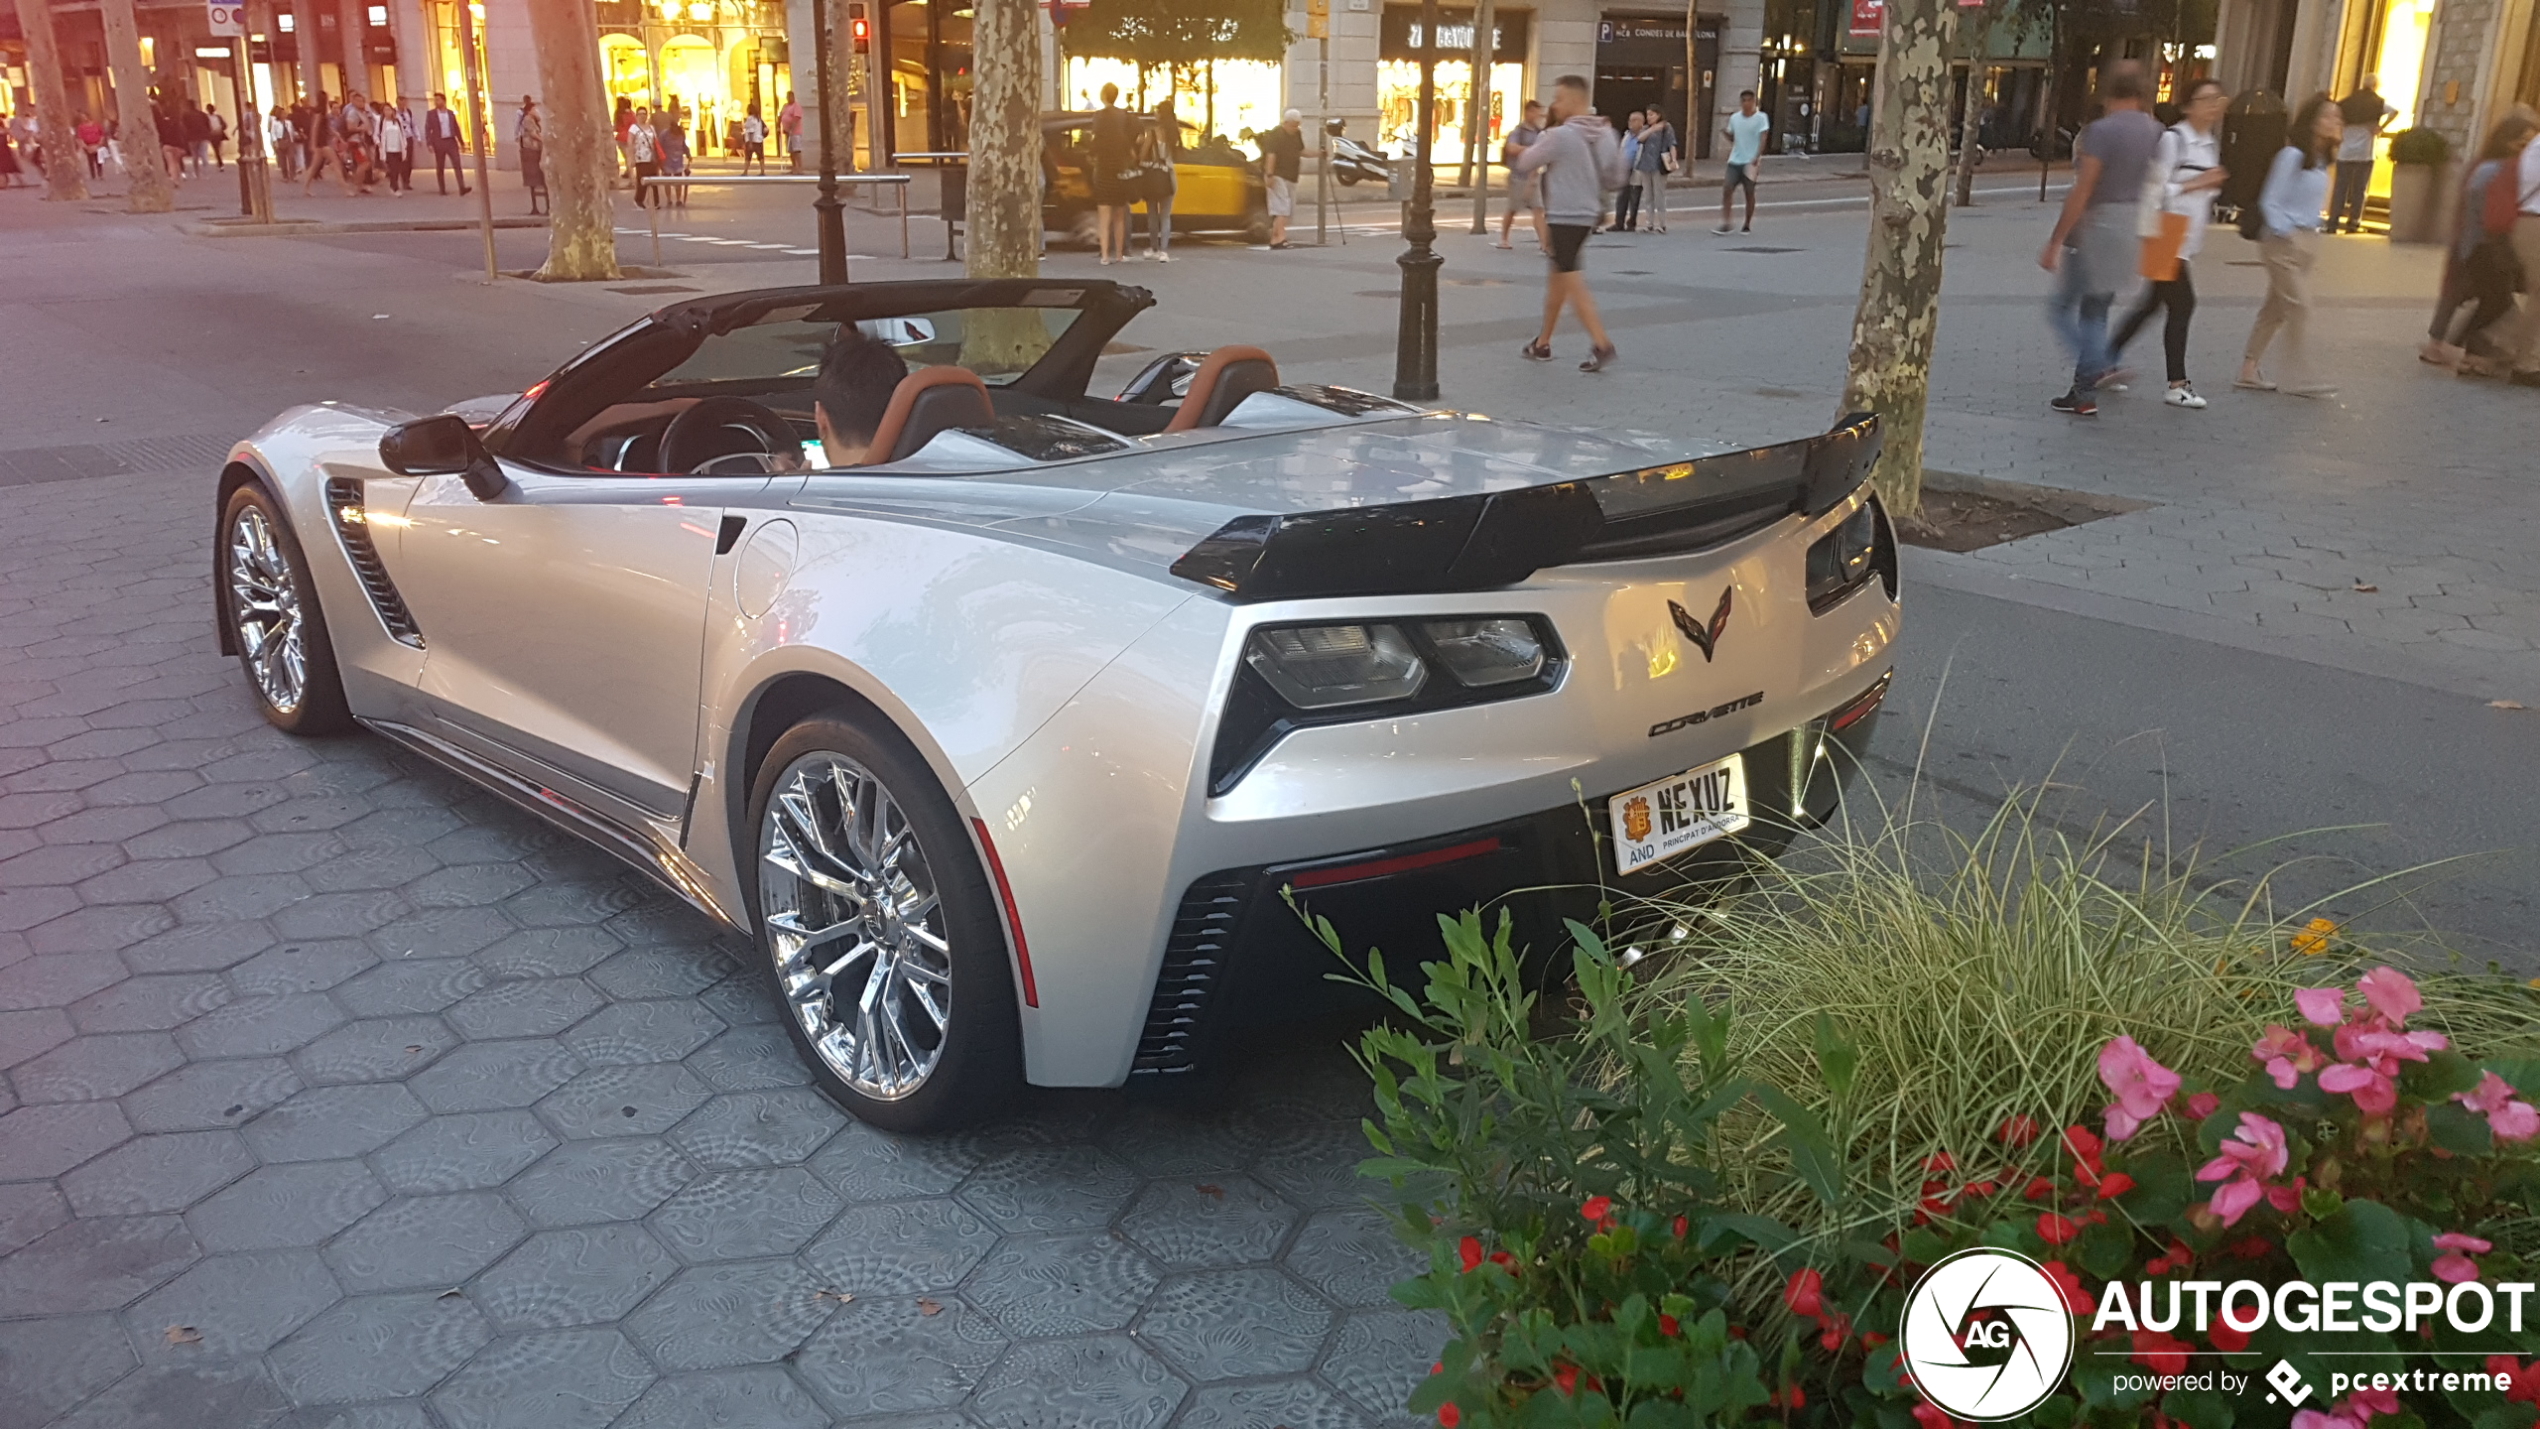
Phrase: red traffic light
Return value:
(862, 29)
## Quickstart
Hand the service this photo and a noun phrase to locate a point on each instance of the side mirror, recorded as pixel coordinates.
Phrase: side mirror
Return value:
(443, 446)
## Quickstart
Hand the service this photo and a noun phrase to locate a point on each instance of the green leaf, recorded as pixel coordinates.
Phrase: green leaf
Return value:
(1764, 1232)
(1837, 1057)
(2364, 1241)
(2459, 1130)
(2438, 1076)
(2106, 1249)
(2200, 1408)
(1812, 1154)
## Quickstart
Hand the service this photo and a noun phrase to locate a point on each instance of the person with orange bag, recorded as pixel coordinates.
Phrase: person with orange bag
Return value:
(2178, 202)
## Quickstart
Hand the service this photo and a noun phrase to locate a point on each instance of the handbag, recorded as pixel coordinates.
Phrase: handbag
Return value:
(2159, 257)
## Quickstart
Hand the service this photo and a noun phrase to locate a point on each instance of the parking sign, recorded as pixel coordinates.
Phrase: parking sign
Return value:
(229, 17)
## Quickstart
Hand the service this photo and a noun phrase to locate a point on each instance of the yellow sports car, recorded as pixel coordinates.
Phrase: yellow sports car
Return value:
(1217, 187)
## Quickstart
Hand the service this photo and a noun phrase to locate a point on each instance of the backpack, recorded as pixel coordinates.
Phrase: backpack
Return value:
(2505, 197)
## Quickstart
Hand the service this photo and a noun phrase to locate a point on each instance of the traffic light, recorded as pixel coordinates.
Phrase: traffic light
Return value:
(861, 27)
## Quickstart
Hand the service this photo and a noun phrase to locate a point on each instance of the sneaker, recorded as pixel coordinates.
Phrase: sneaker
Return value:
(1724, 228)
(2077, 403)
(2184, 396)
(2115, 379)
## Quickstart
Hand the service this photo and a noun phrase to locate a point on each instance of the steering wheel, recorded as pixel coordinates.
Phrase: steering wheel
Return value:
(722, 426)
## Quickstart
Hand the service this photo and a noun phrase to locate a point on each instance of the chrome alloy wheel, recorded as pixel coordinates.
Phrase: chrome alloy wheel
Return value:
(264, 606)
(855, 926)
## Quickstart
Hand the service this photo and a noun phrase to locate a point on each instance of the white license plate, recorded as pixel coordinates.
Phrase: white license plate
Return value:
(1655, 822)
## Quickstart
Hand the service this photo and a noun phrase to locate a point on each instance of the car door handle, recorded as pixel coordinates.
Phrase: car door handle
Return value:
(729, 534)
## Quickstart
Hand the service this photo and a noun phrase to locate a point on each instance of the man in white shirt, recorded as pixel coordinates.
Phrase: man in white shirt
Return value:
(2523, 337)
(643, 149)
(1747, 129)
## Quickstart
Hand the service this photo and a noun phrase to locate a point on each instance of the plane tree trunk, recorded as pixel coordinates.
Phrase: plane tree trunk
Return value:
(65, 164)
(581, 155)
(148, 189)
(1899, 314)
(1005, 180)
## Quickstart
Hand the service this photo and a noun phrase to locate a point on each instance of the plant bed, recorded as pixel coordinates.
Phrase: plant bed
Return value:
(1969, 513)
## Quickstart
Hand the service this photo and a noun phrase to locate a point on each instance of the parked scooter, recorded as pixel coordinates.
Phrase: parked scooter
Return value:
(1352, 162)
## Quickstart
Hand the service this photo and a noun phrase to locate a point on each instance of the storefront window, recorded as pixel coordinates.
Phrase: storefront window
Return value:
(1232, 98)
(1398, 101)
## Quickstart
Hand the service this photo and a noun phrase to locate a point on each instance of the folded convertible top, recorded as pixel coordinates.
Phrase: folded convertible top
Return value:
(1479, 542)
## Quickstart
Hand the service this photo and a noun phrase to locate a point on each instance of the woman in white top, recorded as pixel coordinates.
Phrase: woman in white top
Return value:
(2289, 208)
(2181, 179)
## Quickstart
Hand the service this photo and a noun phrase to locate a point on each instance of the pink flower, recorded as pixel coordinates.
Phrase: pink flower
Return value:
(2321, 1006)
(2453, 1269)
(2255, 1152)
(2203, 1105)
(2493, 1098)
(2288, 1055)
(2363, 1404)
(2457, 1266)
(2391, 994)
(2142, 1086)
(2314, 1419)
(2368, 1041)
(2375, 1094)
(2454, 1240)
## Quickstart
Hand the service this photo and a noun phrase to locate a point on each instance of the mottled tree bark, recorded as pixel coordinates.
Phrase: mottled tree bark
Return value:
(1005, 179)
(1971, 119)
(148, 189)
(1477, 111)
(65, 163)
(581, 155)
(1899, 315)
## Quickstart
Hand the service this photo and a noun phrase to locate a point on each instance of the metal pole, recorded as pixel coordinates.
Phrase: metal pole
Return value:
(1415, 366)
(243, 101)
(476, 118)
(828, 219)
(1477, 116)
(1323, 126)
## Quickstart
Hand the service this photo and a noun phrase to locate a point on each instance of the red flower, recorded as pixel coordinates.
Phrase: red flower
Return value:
(1943, 1162)
(1450, 1416)
(1501, 1257)
(2076, 1299)
(1596, 1208)
(2114, 1185)
(1667, 1325)
(2203, 1105)
(2017, 1130)
(2178, 1258)
(2057, 1229)
(1469, 1250)
(2249, 1247)
(2040, 1189)
(1930, 1417)
(1837, 1328)
(1805, 1294)
(2160, 1352)
(1567, 1377)
(2085, 1146)
(2228, 1339)
(1790, 1395)
(1872, 1339)
(1680, 1228)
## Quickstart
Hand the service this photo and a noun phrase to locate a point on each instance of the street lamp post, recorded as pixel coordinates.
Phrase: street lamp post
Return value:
(831, 218)
(1415, 361)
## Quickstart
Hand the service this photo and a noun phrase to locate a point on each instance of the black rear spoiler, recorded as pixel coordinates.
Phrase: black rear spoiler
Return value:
(1460, 543)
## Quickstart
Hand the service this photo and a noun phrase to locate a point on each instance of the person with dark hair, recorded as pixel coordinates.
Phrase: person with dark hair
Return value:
(2366, 114)
(1580, 162)
(1747, 129)
(1111, 171)
(2478, 266)
(2178, 204)
(2093, 247)
(857, 376)
(2288, 243)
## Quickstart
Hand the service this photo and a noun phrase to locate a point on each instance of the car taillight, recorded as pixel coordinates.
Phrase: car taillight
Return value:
(1845, 557)
(1321, 667)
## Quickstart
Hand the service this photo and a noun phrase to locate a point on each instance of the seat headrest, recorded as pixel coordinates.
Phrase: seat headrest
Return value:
(1224, 379)
(928, 402)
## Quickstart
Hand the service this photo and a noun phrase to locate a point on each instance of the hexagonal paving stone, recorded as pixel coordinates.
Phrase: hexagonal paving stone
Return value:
(1380, 1356)
(535, 1008)
(239, 1305)
(1049, 1188)
(223, 1394)
(1061, 1285)
(383, 1049)
(547, 952)
(94, 1265)
(47, 1366)
(469, 885)
(261, 1026)
(1315, 1164)
(95, 1067)
(327, 1122)
(383, 866)
(624, 1101)
(750, 1059)
(41, 1141)
(898, 1355)
(312, 965)
(488, 1076)
(242, 851)
(464, 1151)
(1227, 1220)
(302, 1204)
(745, 999)
(1189, 1144)
(54, 981)
(1281, 1404)
(202, 947)
(661, 972)
(735, 1312)
(1230, 1324)
(419, 1241)
(442, 933)
(618, 1179)
(30, 1032)
(1353, 1257)
(655, 1030)
(379, 1347)
(907, 1248)
(863, 1163)
(1102, 1383)
(28, 1209)
(202, 1095)
(158, 1173)
(558, 1279)
(561, 1379)
(769, 1128)
(762, 1396)
(423, 985)
(734, 1215)
(150, 1004)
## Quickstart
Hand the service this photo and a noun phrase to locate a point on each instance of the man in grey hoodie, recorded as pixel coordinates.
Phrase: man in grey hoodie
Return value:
(1580, 161)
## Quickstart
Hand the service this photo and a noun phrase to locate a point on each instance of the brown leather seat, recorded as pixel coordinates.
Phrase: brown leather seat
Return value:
(1224, 380)
(927, 402)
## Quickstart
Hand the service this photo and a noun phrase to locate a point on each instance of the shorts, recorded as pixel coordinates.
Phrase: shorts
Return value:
(1737, 175)
(1281, 197)
(1113, 191)
(1567, 240)
(1528, 192)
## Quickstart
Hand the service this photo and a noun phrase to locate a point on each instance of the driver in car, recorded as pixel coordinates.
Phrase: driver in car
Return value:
(858, 374)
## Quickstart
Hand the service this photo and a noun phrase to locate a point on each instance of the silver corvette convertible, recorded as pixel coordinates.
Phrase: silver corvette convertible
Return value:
(1011, 747)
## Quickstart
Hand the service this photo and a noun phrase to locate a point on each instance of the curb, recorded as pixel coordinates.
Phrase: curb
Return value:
(292, 228)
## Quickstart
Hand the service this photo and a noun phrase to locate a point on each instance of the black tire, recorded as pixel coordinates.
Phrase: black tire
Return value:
(1257, 226)
(977, 1059)
(247, 583)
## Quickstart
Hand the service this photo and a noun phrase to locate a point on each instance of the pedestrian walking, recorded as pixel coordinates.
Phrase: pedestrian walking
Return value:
(92, 145)
(219, 135)
(2093, 248)
(170, 128)
(2288, 244)
(790, 120)
(1655, 160)
(1159, 148)
(2177, 206)
(1111, 172)
(12, 136)
(1282, 160)
(1627, 201)
(2519, 336)
(283, 140)
(2479, 266)
(1525, 191)
(2365, 114)
(643, 151)
(196, 126)
(672, 143)
(753, 141)
(529, 138)
(1747, 129)
(397, 148)
(441, 136)
(1579, 159)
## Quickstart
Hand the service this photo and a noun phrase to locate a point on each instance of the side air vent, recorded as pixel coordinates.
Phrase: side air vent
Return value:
(1194, 962)
(352, 527)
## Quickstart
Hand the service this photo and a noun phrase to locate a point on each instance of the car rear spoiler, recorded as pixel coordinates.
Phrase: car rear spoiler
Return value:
(1460, 543)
